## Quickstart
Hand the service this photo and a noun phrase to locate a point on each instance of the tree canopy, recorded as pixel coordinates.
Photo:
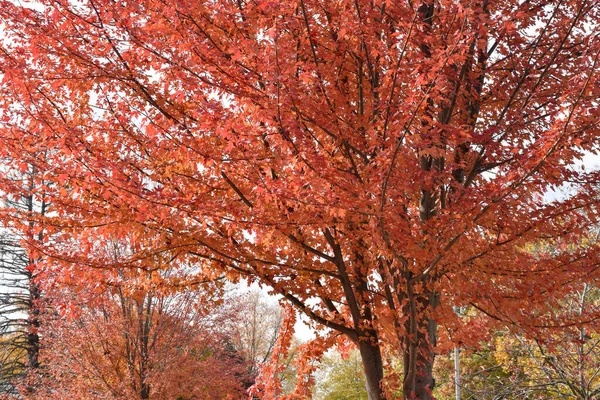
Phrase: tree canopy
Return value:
(373, 162)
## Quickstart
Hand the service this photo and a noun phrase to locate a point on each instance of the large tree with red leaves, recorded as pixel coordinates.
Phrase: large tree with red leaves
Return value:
(374, 162)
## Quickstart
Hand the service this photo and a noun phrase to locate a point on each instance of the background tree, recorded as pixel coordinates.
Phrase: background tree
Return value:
(364, 159)
(563, 365)
(141, 343)
(340, 378)
(484, 373)
(21, 302)
(258, 321)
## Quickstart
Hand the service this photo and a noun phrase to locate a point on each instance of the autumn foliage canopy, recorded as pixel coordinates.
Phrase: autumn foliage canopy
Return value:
(373, 162)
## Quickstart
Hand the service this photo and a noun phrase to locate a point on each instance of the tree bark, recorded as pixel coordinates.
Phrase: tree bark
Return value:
(373, 367)
(419, 347)
(356, 291)
(145, 391)
(33, 319)
(33, 325)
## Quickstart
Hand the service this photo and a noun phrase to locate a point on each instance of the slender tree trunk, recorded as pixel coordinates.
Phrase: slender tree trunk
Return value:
(457, 373)
(419, 347)
(425, 382)
(144, 391)
(145, 321)
(418, 377)
(33, 324)
(356, 291)
(373, 367)
(33, 320)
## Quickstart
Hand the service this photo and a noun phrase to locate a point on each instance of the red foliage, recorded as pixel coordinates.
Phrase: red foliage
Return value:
(144, 347)
(373, 162)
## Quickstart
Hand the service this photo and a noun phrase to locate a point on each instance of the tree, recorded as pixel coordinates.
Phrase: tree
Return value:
(19, 343)
(373, 162)
(562, 365)
(258, 323)
(486, 372)
(21, 302)
(135, 343)
(340, 378)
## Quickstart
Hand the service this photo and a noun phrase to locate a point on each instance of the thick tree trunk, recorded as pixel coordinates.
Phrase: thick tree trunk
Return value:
(424, 382)
(373, 368)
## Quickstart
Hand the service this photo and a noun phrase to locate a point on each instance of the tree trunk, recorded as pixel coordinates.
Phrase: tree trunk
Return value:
(33, 320)
(373, 367)
(419, 346)
(33, 325)
(144, 391)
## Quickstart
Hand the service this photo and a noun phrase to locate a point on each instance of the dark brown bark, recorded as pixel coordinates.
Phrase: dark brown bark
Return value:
(356, 293)
(419, 346)
(373, 367)
(35, 294)
(33, 326)
(145, 392)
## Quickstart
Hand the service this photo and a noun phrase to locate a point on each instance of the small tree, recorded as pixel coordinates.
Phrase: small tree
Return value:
(340, 378)
(256, 330)
(141, 344)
